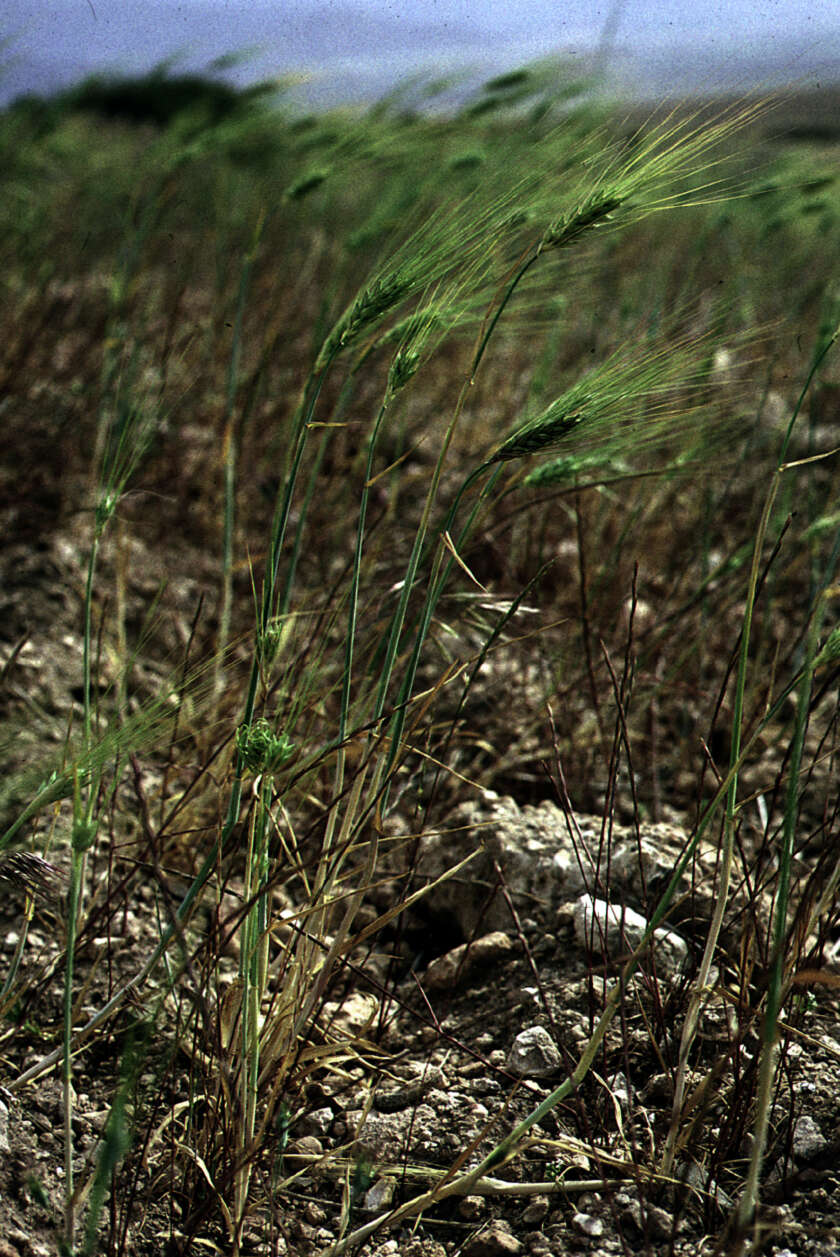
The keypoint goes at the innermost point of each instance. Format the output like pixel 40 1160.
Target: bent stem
pixel 775 988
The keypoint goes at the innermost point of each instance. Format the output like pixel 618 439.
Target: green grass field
pixel 354 465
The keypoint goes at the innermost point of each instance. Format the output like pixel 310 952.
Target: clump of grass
pixel 406 328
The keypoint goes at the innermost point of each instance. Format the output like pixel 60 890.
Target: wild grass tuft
pixel 321 415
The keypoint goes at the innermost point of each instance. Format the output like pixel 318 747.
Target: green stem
pixel 769 1049
pixel 700 988
pixel 86 637
pixel 76 869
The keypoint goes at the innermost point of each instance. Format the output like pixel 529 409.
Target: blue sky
pixel 359 47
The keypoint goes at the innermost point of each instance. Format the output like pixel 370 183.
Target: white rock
pixel 587 1225
pixel 808 1140
pixel 600 926
pixel 379 1197
pixel 534 1054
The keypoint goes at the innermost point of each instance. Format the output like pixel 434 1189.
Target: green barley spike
pixel 830 652
pixel 567 229
pixel 380 296
pixel 541 434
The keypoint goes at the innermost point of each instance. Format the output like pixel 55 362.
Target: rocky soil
pixel 464 1016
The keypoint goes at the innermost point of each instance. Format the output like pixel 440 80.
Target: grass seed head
pixel 830 652
pixel 23 870
pixel 540 434
pixel 382 295
pixel 305 184
pixel 83 834
pixel 262 749
pixel 570 227
pixel 403 367
pixel 569 467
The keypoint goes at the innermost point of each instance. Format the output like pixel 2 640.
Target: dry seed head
pixel 22 870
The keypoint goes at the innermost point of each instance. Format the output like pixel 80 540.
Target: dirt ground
pixel 446 1026
pixel 441 1069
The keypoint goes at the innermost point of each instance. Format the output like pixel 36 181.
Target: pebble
pixel 307 1146
pixel 449 970
pixel 601 926
pixel 587 1225
pixel 535 1211
pixel 318 1122
pixel 378 1198
pixel 808 1140
pixel 496 1241
pixel 534 1054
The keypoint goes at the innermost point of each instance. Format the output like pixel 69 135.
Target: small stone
pixel 447 971
pixel 535 1211
pixel 534 1054
pixel 496 1241
pixel 657 1223
pixel 620 1091
pixel 808 1140
pixel 587 1225
pixel 316 1123
pixel 471 1208
pixel 355 1014
pixel 659 1089
pixel 601 926
pixel 307 1146
pixel 4 1128
pixel 379 1197
pixel 417 1130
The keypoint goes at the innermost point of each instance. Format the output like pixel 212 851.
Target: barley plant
pixel 380 459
